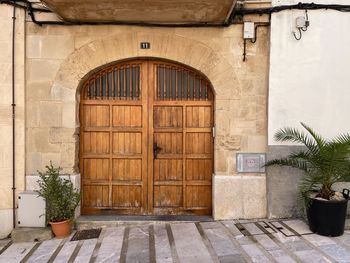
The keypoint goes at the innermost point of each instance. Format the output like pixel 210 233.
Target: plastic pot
pixel 327 218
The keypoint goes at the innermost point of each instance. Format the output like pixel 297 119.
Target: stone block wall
pixel 59 58
pixel 52 61
pixel 240 105
pixel 6 172
pixel 51 121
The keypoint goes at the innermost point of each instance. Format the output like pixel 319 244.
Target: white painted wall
pixel 310 78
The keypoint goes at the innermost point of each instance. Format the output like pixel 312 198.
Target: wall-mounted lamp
pixel 301 23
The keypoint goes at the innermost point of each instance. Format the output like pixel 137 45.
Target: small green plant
pixel 324 162
pixel 60 196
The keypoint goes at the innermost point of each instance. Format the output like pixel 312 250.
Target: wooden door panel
pixel 127 116
pixel 168 170
pixel 96 169
pixel 96 115
pixel 199 143
pixel 127 196
pixel 167 117
pixel 199 117
pixel 95 142
pixel 166 196
pixel 169 142
pixel 95 196
pixel 199 169
pixel 127 143
pixel 198 197
pixel 127 170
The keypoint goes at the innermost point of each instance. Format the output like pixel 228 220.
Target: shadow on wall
pixel 282 185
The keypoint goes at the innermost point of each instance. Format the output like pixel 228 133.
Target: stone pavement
pixel 221 241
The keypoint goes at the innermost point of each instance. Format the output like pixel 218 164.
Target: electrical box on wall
pixel 31 210
pixel 300 22
pixel 251 162
pixel 248 30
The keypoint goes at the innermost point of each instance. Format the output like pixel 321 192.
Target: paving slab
pixel 86 250
pixel 312 256
pixel 4 243
pixel 65 253
pixel 255 253
pixel 344 239
pixel 111 245
pixel 232 227
pixel 43 253
pixel 138 245
pixel 299 226
pixel 16 252
pixel 338 253
pixel 276 251
pixel 162 245
pixel 318 240
pixel 187 242
pixel 221 243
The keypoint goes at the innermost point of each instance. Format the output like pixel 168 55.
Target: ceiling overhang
pixel 143 11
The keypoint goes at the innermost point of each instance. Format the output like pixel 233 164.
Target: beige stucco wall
pixel 59 57
pixel 6 112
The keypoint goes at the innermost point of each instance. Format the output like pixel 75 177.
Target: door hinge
pixel 214 132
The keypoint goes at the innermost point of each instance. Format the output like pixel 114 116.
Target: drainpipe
pixel 13 119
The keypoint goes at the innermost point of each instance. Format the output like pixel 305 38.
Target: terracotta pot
pixel 61 229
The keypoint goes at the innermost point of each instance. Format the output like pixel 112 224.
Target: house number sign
pixel 145 45
pixel 250 162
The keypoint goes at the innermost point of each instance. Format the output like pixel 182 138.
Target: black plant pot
pixel 327 218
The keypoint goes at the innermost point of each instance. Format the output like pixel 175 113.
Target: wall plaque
pixel 250 162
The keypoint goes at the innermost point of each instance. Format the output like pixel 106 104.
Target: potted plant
pixel 61 200
pixel 324 163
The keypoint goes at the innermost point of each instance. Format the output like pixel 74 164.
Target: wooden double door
pixel 146 141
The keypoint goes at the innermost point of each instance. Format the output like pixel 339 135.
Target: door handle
pixel 156 150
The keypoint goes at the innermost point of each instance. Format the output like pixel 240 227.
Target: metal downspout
pixel 13 119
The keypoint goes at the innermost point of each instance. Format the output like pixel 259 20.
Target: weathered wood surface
pixel 124 114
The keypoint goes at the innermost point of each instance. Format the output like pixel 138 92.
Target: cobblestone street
pixel 221 241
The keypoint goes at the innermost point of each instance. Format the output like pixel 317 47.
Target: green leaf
pixel 60 196
pixel 324 162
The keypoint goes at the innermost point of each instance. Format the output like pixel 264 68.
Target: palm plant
pixel 324 162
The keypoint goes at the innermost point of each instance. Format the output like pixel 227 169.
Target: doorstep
pixel 106 221
pixel 31 234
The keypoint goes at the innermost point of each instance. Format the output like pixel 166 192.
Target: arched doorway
pixel 146 144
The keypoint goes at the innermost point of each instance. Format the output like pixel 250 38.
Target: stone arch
pixel 85 60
